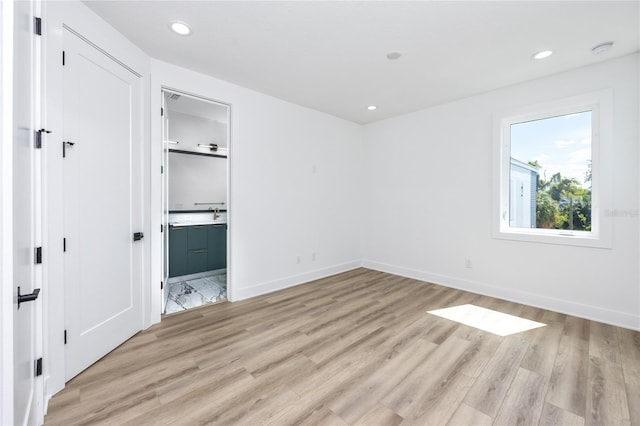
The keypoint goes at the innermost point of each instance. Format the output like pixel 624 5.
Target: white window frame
pixel 600 236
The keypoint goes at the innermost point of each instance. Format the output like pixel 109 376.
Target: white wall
pixel 295 186
pixel 425 216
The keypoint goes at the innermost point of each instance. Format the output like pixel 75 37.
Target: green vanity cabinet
pixel 197 261
pixel 197 237
pixel 178 251
pixel 197 245
pixel 217 246
pixel 197 248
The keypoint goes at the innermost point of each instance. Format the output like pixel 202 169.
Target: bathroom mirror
pixel 197 182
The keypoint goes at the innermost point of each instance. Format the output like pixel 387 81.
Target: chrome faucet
pixel 216 213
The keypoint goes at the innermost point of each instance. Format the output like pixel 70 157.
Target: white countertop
pixel 192 219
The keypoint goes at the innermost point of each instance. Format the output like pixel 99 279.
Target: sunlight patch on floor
pixel 486 319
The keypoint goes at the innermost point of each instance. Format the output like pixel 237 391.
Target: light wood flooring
pixel 359 348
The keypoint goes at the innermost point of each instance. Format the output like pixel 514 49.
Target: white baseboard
pixel 590 312
pixel 281 284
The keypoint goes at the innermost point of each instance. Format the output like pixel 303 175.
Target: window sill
pixel 578 239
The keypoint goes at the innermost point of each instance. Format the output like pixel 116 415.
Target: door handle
pixel 137 236
pixel 27 297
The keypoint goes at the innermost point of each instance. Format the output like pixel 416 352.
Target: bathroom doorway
pixel 195 137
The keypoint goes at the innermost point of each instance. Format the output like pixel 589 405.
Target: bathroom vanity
pixel 197 245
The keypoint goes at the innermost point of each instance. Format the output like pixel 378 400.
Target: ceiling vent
pixel 602 48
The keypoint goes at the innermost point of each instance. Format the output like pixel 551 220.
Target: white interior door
pixel 27 399
pixel 102 203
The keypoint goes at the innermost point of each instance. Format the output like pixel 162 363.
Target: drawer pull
pixel 198 251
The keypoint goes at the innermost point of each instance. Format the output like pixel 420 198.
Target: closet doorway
pixel 195 137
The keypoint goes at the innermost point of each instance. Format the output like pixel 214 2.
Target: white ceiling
pixel 331 56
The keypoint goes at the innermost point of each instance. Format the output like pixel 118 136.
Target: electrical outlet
pixel 298 260
pixel 468 264
pixel 313 256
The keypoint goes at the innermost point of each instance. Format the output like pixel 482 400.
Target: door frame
pixel 6 212
pixel 7 191
pixel 173 78
pixel 163 182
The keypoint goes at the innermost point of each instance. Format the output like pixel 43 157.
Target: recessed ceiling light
pixel 371 107
pixel 602 48
pixel 393 55
pixel 543 54
pixel 180 28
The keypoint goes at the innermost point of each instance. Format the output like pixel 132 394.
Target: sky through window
pixel 559 144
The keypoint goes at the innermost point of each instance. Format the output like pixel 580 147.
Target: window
pixel 552 174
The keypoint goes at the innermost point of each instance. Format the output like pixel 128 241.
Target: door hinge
pixel 161 228
pixel 65 337
pixel 64 147
pixel 161 111
pixel 38 367
pixel 137 236
pixel 38 137
pixel 63 61
pixel 161 285
pixel 161 169
pixel 38 255
pixel 64 244
pixel 37 25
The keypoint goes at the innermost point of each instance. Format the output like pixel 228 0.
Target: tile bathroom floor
pixel 196 292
